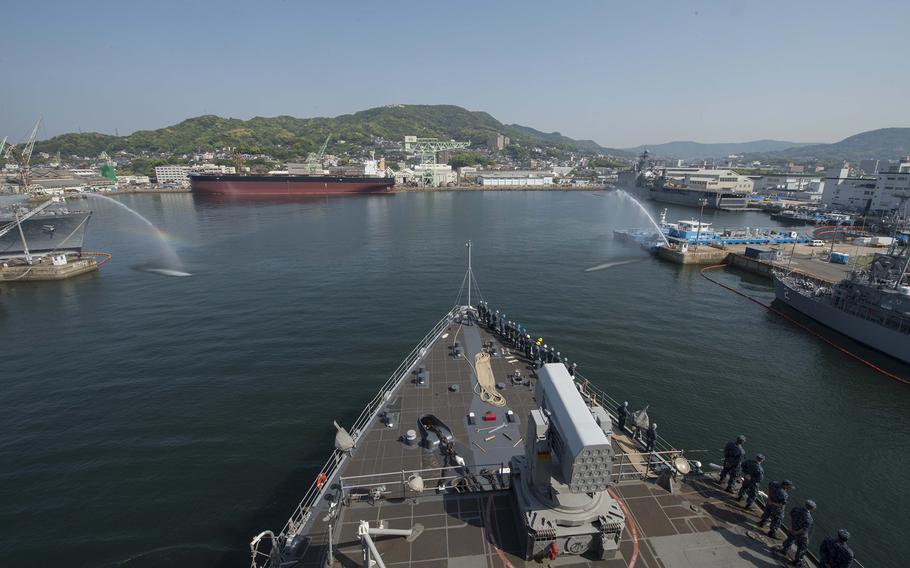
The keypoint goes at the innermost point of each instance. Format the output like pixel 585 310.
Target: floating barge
pixel 56 267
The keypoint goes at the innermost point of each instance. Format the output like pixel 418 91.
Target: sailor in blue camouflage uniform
pixel 733 459
pixel 774 509
pixel 622 413
pixel 800 527
pixel 651 437
pixel 834 552
pixel 753 473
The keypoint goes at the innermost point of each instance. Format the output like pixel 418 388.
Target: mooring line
pixel 804 327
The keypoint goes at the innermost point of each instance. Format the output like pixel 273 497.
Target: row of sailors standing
pixel 833 553
pixel 517 336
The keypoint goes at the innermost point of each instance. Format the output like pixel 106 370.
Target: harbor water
pixel 155 421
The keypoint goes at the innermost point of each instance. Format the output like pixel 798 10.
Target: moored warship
pixel 487 448
pixel 45 229
pixel 871 306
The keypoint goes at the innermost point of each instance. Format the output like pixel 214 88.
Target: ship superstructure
pixel 487 448
pixel 45 229
pixel 871 306
pixel 690 186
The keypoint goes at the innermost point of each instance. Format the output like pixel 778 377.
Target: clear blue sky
pixel 621 73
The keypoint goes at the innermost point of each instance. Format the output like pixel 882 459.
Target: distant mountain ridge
pixel 689 150
pixel 883 143
pixel 296 136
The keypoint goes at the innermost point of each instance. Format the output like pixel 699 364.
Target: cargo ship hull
pixel 278 186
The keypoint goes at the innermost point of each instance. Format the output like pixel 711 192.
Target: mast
pixel 28 256
pixel 470 272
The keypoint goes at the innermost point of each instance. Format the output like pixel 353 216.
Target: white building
pixel 517 178
pixel 467 173
pixel 891 189
pixel 880 194
pixel 794 187
pixel 212 169
pixel 442 174
pixel 710 179
pixel 848 193
pixel 172 174
pixel 180 174
pixel 132 180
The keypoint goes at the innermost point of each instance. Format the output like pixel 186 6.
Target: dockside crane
pixel 426 148
pixel 313 162
pixel 21 154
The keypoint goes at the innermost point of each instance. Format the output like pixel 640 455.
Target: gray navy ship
pixel 49 229
pixel 871 306
pixel 691 187
pixel 486 448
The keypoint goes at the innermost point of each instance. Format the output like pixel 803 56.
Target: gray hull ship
pixel 486 449
pixel 49 231
pixel 871 306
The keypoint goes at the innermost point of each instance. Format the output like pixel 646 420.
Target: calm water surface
pixel 150 421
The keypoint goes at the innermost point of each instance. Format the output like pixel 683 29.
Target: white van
pixel 816 243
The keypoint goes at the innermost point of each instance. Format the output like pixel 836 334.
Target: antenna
pixel 470 272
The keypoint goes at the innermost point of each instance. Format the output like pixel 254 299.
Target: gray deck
pixel 699 526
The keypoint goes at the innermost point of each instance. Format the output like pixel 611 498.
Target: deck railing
pixel 395 484
pixel 330 469
pixel 663 454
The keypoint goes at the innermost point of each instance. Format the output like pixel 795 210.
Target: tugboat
pixel 487 447
pixel 871 306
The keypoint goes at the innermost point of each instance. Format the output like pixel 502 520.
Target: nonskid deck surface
pixel 698 526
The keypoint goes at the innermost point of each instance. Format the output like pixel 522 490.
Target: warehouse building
pixel 517 178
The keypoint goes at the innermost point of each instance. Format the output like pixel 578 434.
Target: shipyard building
pixel 879 194
pixel 516 178
pixel 180 174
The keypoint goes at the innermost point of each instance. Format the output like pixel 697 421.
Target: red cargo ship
pixel 287 185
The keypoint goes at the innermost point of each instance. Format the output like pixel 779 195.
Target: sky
pixel 620 73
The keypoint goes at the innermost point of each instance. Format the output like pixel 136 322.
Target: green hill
pixel 688 150
pixel 290 136
pixel 884 143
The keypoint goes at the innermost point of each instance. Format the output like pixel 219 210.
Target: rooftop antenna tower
pixel 426 148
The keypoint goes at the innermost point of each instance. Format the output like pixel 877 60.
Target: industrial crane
pixel 22 155
pixel 426 148
pixel 313 162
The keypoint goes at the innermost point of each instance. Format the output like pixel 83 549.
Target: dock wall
pixel 710 256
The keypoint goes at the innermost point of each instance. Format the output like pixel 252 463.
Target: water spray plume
pixel 623 194
pixel 610 265
pixel 175 265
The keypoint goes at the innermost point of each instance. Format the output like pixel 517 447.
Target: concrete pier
pixel 44 269
pixel 805 260
pixel 703 255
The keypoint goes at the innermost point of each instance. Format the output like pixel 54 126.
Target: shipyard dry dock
pixel 465 514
